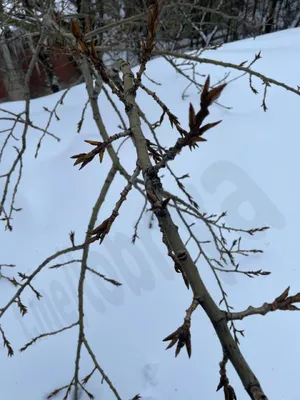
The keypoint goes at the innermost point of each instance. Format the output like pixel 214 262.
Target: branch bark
pixel 202 60
pixel 170 230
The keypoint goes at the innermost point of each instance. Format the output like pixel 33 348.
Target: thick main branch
pixel 170 230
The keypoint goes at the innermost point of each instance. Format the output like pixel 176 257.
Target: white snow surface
pixel 249 167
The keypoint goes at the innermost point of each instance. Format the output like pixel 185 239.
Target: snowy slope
pixel 249 167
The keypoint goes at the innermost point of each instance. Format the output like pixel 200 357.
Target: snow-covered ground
pixel 249 167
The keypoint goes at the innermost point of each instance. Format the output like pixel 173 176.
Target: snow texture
pixel 249 167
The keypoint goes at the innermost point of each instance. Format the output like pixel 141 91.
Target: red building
pixel 54 69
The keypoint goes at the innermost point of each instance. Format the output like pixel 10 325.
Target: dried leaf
pixel 192 116
pixel 182 337
pixel 170 337
pixel 162 117
pixel 75 29
pixel 78 155
pixel 208 126
pixel 101 155
pixel 83 46
pixel 291 307
pixel 215 93
pixel 102 230
pixel 91 240
pixel 93 50
pixel 220 385
pixel 205 89
pixel 22 307
pixel 6 344
pixel 283 296
pixel 173 341
pixel 93 142
pixel 189 348
pixel 231 393
pixel 192 141
pixel 72 238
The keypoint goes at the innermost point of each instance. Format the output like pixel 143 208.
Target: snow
pixel 249 167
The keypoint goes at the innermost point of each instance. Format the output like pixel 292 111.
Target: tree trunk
pixel 270 18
